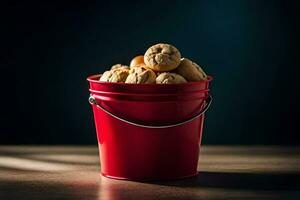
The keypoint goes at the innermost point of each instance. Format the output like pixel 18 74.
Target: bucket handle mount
pixel 208 101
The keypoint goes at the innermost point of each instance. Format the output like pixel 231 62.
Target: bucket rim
pixel 91 79
pixel 142 94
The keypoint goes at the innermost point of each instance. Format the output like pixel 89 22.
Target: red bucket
pixel 149 131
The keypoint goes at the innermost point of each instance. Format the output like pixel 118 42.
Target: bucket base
pixel 149 179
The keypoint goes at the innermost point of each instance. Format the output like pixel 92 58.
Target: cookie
pixel 106 76
pixel 190 70
pixel 138 60
pixel 117 75
pixel 141 74
pixel 162 57
pixel 119 66
pixel 169 78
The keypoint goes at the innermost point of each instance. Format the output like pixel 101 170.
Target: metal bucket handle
pixel 208 101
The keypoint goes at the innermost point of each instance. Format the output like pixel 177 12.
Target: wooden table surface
pixel 60 172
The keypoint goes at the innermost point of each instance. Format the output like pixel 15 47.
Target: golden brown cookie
pixel 141 74
pixel 169 78
pixel 106 76
pixel 116 75
pixel 190 70
pixel 119 66
pixel 162 57
pixel 138 60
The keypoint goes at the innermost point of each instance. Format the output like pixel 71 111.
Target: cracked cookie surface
pixel 117 75
pixel 116 66
pixel 190 70
pixel 169 78
pixel 162 57
pixel 140 74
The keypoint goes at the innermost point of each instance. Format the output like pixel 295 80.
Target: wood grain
pixel 64 172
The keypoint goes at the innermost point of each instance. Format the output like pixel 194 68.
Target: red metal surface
pixel 135 153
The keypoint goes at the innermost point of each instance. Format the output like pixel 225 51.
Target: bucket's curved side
pixel 135 153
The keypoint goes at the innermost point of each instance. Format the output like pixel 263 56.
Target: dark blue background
pixel 48 50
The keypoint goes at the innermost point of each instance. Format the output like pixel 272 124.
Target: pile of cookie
pixel 161 64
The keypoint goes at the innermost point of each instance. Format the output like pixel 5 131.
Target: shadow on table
pixel 28 190
pixel 247 181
